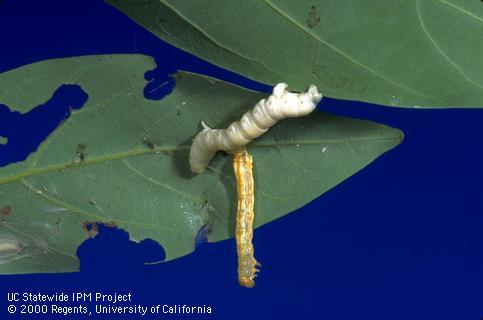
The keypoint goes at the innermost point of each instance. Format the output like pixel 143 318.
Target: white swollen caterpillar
pixel 280 104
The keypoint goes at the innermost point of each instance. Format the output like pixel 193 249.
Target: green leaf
pixel 134 172
pixel 422 53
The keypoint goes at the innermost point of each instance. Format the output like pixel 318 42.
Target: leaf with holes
pixel 397 53
pixel 123 160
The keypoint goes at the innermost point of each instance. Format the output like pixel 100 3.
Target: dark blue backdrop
pixel 402 239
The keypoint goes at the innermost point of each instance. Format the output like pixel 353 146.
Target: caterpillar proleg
pixel 247 265
pixel 279 105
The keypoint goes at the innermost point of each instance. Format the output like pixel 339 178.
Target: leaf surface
pixel 123 160
pixel 421 53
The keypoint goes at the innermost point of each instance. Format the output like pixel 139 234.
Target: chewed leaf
pixel 396 53
pixel 122 160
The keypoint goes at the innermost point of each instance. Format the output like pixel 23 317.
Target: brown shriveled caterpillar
pixel 267 112
pixel 243 167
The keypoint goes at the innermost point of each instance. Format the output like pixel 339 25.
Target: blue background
pixel 402 239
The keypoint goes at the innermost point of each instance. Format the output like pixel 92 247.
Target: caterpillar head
pixel 290 104
pixel 279 90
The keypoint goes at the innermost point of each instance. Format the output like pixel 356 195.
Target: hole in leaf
pixel 111 249
pixel 36 124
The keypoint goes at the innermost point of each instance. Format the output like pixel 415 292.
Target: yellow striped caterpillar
pixel 266 113
pixel 243 167
pixel 280 104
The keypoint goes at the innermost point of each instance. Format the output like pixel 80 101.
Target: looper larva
pixel 247 265
pixel 279 105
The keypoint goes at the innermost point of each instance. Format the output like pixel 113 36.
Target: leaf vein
pixel 216 42
pixel 438 48
pixel 339 51
pixel 449 4
pixel 151 180
pixel 91 215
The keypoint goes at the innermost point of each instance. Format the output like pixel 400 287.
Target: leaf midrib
pixel 163 149
pixel 284 15
pixel 339 51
